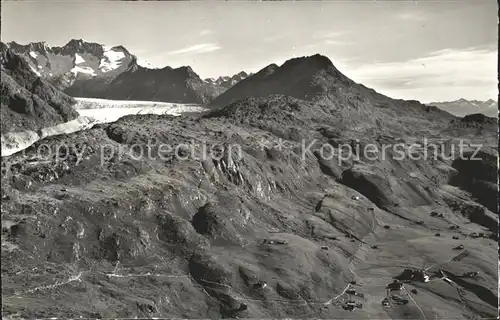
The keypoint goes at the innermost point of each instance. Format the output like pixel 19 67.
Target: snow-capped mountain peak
pixel 226 81
pixel 77 59
pixel 112 59
pixel 145 64
pixel 491 103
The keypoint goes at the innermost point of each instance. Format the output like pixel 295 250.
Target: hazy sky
pixel 424 50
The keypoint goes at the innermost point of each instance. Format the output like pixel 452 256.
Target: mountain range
pixel 228 82
pixel 88 69
pixel 92 70
pixel 259 212
pixel 463 107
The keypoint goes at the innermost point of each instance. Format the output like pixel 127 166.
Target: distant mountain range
pixel 88 69
pixel 228 82
pixel 463 107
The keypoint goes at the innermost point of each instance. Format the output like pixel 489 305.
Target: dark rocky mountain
pixel 29 102
pixel 87 69
pixel 315 79
pixel 260 210
pixel 478 118
pixel 181 85
pixel 307 78
pixel 293 79
pixel 463 107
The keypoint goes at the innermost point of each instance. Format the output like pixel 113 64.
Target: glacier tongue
pixel 102 111
pixel 13 142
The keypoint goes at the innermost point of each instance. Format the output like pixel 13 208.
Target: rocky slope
pixel 255 210
pixel 29 102
pixel 87 69
pixel 463 107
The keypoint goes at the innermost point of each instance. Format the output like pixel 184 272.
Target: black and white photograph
pixel 249 159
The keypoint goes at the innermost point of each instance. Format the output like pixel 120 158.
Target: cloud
pixel 337 42
pixel 328 38
pixel 326 43
pixel 275 38
pixel 198 48
pixel 205 32
pixel 441 75
pixel 328 34
pixel 413 16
